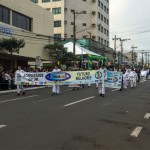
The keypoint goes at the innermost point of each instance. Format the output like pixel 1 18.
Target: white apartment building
pixel 25 20
pixel 94 23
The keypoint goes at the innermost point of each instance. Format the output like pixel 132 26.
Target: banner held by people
pixel 62 78
pixel 68 78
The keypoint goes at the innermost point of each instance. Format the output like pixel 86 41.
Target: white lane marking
pixel 2 126
pixel 79 101
pixel 147 116
pixel 115 90
pixel 142 81
pixel 136 131
pixel 40 101
pixel 16 99
pixel 106 104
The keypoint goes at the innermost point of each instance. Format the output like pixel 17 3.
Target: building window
pixel 104 8
pixel 102 17
pixel 83 24
pixel 105 19
pixel 99 27
pixel 107 11
pixel 107 33
pixel 45 1
pixel 102 5
pixel 57 23
pixel 101 40
pixel 107 43
pixel 65 35
pixel 99 15
pixel 102 29
pixel 107 22
pixel 104 42
pixel 99 3
pixel 56 10
pixel 57 36
pixel 34 1
pixel 4 15
pixel 56 0
pixel 72 10
pixel 21 21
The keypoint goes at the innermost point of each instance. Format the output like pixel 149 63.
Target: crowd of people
pixel 130 77
pixel 7 77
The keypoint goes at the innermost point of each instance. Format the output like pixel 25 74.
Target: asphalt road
pixel 76 120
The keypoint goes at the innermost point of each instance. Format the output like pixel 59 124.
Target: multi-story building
pixel 25 20
pixel 91 18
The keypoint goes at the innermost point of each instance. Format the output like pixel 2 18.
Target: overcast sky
pixel 130 19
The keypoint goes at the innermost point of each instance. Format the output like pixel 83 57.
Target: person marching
pixel 56 88
pixel 101 87
pixel 20 88
pixel 133 78
pixel 125 79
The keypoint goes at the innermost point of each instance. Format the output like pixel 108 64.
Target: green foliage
pixel 11 45
pixel 58 53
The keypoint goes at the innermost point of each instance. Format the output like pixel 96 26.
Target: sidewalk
pixel 26 89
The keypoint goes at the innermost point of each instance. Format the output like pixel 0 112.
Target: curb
pixel 26 89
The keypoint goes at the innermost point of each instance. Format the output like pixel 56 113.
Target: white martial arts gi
pixel 56 88
pixel 125 80
pixel 101 88
pixel 20 88
pixel 133 78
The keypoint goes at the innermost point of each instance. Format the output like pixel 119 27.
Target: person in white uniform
pixel 20 88
pixel 133 78
pixel 125 79
pixel 56 88
pixel 101 88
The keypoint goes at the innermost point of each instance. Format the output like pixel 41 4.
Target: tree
pixel 11 45
pixel 58 53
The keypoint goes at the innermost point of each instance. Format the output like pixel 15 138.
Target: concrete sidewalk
pixel 26 89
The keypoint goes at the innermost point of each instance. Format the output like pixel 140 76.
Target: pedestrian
pixel 133 78
pixel 125 79
pixel 127 76
pixel 101 87
pixel 20 88
pixel 56 88
pixel 138 71
pixel 7 79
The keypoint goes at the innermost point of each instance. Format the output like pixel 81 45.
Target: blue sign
pixel 5 30
pixel 58 76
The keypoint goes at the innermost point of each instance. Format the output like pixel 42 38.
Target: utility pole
pixel 146 58
pixel 133 47
pixel 142 58
pixel 74 29
pixel 121 44
pixel 115 49
pixel 74 32
pixel 148 61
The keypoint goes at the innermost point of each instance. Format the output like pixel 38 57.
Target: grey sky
pixel 130 19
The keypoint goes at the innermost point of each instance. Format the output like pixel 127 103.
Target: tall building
pixel 25 20
pixel 91 19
